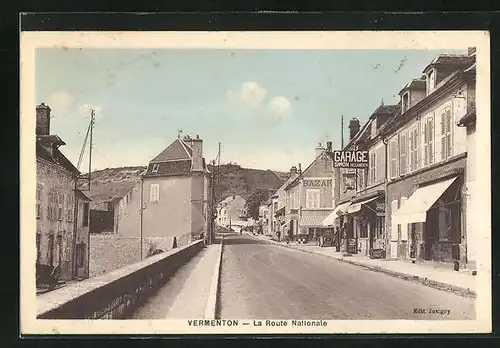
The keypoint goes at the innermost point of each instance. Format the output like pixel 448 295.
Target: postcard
pixel 255 182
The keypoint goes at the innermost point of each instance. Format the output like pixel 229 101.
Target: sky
pixel 269 109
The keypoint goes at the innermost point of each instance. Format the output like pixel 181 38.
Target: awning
pixel 355 207
pixel 415 208
pixel 339 209
pixel 313 220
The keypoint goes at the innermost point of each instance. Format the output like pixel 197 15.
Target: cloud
pixel 249 93
pixel 60 101
pixel 280 106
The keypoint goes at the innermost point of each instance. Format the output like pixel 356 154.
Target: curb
pixel 213 297
pixel 458 290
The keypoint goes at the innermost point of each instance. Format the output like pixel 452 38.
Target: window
pixel 312 198
pixel 60 200
pixel 446 134
pixel 362 179
pixel 38 247
pixel 39 202
pixel 430 81
pixel 393 149
pixel 363 229
pixel 429 141
pixel 373 167
pixel 85 218
pixel 448 220
pixel 51 212
pixel 403 153
pixel 155 168
pixel 414 149
pixel 405 101
pixel 154 193
pixel 70 205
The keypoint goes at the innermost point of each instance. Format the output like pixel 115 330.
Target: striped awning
pixel 315 220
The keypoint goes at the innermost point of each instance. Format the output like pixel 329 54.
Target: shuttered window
pixel 39 191
pixel 312 198
pixel 446 134
pixel 403 153
pixel 413 142
pixel 429 141
pixel 154 193
pixel 393 152
pixel 380 164
pixel 373 167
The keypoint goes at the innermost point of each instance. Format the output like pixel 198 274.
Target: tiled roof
pixel 56 158
pixel 169 168
pixel 450 59
pixel 178 150
pixel 82 196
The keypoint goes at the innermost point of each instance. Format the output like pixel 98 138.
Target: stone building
pixel 61 222
pixel 231 211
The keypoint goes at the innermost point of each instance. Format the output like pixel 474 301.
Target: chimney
pixel 319 149
pixel 328 146
pixel 197 161
pixel 42 119
pixel 353 128
pixel 293 170
pixel 300 168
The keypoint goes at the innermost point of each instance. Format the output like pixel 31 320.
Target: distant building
pixel 174 192
pixel 61 209
pixel 309 197
pixel 278 206
pixel 231 211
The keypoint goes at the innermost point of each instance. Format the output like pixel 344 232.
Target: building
pixel 61 221
pixel 174 196
pixel 426 169
pixel 231 211
pixel 309 197
pixel 362 202
pixel 265 217
pixel 278 206
pixel 472 202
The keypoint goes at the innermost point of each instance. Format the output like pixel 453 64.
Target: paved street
pixel 267 281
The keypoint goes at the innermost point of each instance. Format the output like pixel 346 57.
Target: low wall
pixel 117 294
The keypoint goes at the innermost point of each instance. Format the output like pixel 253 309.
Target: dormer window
pixel 405 101
pixel 430 81
pixel 155 168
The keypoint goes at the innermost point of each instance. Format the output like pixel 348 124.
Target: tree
pixel 254 200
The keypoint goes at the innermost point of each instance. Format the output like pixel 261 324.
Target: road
pixel 266 281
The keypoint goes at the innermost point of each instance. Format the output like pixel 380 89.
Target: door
pixel 51 250
pixel 413 240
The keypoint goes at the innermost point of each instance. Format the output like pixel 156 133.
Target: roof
pixel 83 196
pixel 169 168
pixel 449 59
pixel 414 84
pixel 56 157
pixel 178 150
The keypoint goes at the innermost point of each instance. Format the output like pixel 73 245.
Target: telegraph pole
pixel 90 149
pixel 342 132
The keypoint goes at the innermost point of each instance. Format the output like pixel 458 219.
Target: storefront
pixel 366 221
pixel 311 223
pixel 429 222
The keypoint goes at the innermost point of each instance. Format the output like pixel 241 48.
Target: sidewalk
pixel 445 279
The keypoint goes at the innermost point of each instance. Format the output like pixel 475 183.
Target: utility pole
pixel 90 149
pixel 342 132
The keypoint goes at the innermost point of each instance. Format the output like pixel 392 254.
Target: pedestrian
pixel 278 234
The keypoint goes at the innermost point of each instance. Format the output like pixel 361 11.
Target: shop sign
pixel 380 207
pixel 377 253
pixel 317 183
pixel 350 159
pixel 352 246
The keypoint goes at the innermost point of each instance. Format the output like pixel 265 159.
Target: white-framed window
pixel 393 163
pixel 70 201
pixel 373 167
pixel 403 153
pixel 154 193
pixel 155 168
pixel 52 211
pixel 39 193
pixel 446 134
pixel 430 77
pixel 429 140
pixel 414 149
pixel 312 198
pixel 405 101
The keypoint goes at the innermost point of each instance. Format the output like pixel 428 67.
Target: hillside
pixel 111 183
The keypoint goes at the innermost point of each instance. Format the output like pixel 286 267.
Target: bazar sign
pixel 317 183
pixel 350 159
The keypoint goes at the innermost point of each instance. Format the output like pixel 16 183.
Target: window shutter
pixel 449 145
pixel 443 137
pixel 380 164
pixel 431 140
pixel 426 143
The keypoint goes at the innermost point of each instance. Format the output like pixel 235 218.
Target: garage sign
pixel 350 159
